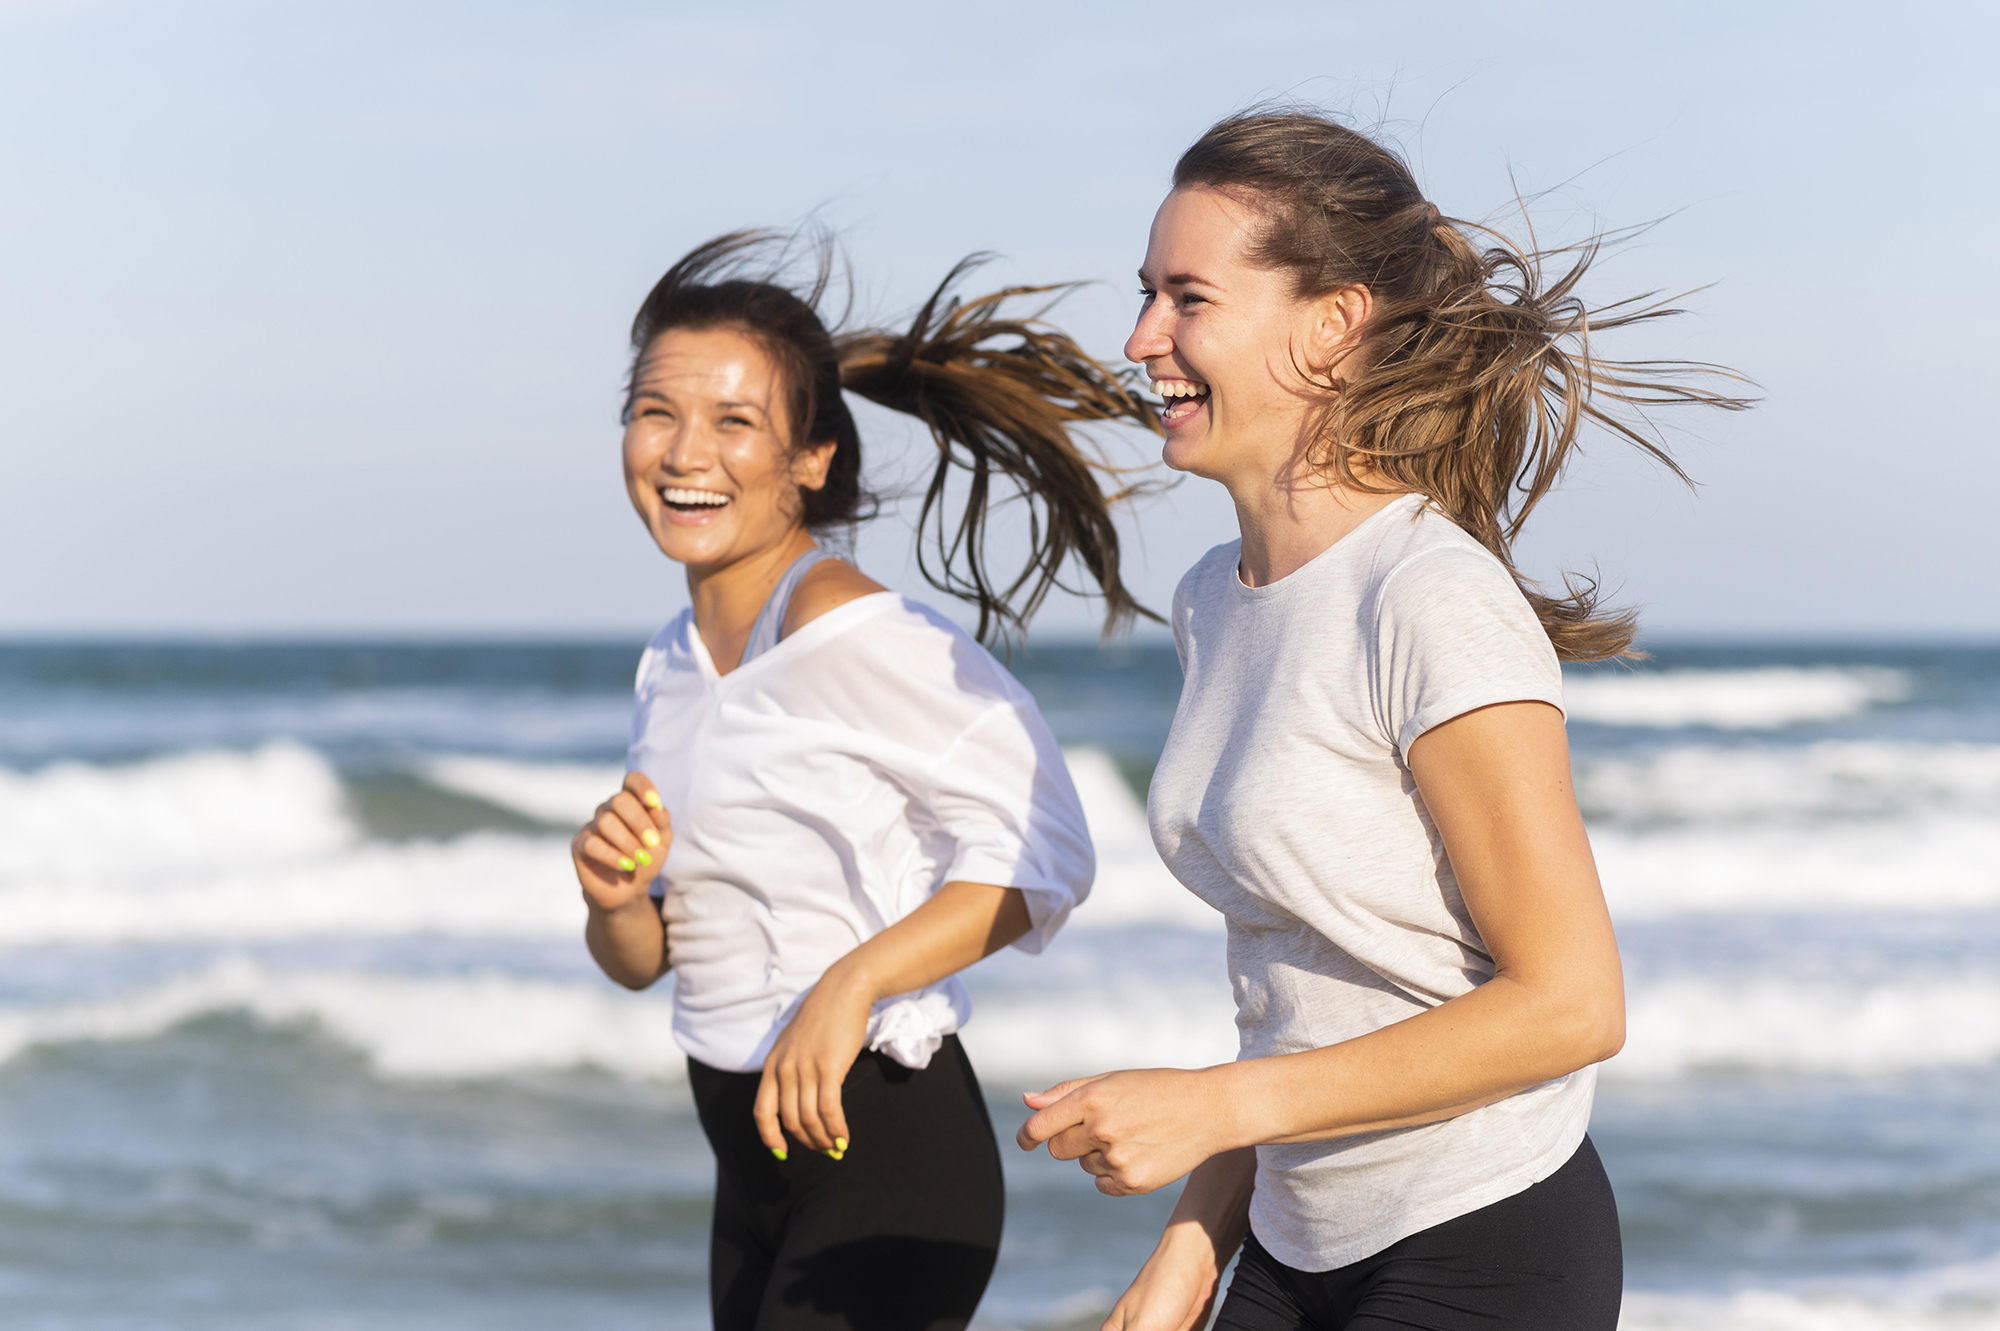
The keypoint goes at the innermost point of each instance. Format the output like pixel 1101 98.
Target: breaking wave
pixel 490 1024
pixel 1766 698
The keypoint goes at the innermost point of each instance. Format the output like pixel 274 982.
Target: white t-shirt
pixel 822 791
pixel 1284 801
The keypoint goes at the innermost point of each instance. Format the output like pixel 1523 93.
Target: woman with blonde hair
pixel 837 799
pixel 1368 773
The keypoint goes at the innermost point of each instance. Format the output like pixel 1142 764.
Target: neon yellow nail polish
pixel 650 837
pixel 652 799
pixel 779 1152
pixel 644 858
pixel 627 865
pixel 840 1145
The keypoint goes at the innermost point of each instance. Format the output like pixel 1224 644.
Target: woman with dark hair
pixel 1424 968
pixel 837 800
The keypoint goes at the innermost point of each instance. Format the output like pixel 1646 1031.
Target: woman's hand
pixel 800 1091
pixel 1175 1290
pixel 1135 1131
pixel 620 850
pixel 617 854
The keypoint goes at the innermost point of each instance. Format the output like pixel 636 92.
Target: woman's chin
pixel 697 547
pixel 1186 450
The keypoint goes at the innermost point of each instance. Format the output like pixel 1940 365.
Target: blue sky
pixel 311 315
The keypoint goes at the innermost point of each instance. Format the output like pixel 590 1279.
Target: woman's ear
pixel 1338 320
pixel 811 464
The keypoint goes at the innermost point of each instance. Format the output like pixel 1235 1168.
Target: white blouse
pixel 822 791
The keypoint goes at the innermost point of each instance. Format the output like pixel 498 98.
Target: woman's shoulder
pixel 1215 569
pixel 1436 584
pixel 921 641
pixel 826 587
pixel 1428 553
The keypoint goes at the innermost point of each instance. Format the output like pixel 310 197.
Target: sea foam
pixel 483 885
pixel 489 1023
pixel 276 804
pixel 456 1027
pixel 1765 698
pixel 1834 779
pixel 1902 864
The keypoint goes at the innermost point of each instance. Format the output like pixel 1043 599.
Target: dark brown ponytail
pixel 999 395
pixel 1476 371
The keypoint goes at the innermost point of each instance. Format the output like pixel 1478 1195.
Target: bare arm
pixel 617 855
pixel 1496 783
pixel 800 1092
pixel 1176 1288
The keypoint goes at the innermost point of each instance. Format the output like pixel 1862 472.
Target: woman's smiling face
pixel 1223 341
pixel 709 462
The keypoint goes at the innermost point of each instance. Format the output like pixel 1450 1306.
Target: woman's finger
pixel 601 852
pixel 831 1114
pixel 613 829
pixel 1060 1116
pixel 809 1118
pixel 640 787
pixel 1043 1099
pixel 788 1104
pixel 765 1112
pixel 1075 1143
pixel 635 817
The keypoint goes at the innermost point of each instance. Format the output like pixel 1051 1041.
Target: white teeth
pixel 674 494
pixel 1178 388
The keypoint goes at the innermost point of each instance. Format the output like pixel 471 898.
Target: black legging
pixel 1547 1259
pixel 900 1235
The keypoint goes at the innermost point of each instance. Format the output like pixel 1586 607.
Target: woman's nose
pixel 1149 340
pixel 688 452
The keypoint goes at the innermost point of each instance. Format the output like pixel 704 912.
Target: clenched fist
pixel 620 850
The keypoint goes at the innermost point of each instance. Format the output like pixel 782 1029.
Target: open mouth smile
pixel 1184 397
pixel 682 500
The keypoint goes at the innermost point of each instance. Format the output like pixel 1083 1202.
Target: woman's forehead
pixel 1197 223
pixel 717 363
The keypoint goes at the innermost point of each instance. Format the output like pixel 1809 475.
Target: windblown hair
pixel 1475 372
pixel 999 394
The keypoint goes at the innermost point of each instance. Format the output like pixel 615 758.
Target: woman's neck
pixel 726 598
pixel 1286 523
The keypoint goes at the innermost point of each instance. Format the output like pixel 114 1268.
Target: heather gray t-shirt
pixel 1284 801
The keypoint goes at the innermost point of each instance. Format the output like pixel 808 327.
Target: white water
pixel 1911 864
pixel 1766 698
pixel 1845 779
pixel 275 805
pixel 487 1023
pixel 259 845
pixel 1963 1296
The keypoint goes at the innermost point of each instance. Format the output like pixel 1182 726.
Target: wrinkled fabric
pixel 821 792
pixel 1284 800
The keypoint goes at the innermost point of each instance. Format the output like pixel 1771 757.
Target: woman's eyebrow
pixel 1182 280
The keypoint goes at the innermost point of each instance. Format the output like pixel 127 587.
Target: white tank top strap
pixel 770 625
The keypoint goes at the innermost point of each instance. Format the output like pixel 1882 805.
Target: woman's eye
pixel 1189 298
pixel 736 420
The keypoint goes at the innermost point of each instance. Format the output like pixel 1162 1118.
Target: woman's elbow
pixel 1599 1028
pixel 1584 1028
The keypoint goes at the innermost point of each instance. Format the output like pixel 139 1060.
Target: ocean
pixel 297 1031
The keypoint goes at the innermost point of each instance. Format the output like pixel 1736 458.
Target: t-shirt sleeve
pixel 1454 634
pixel 1004 795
